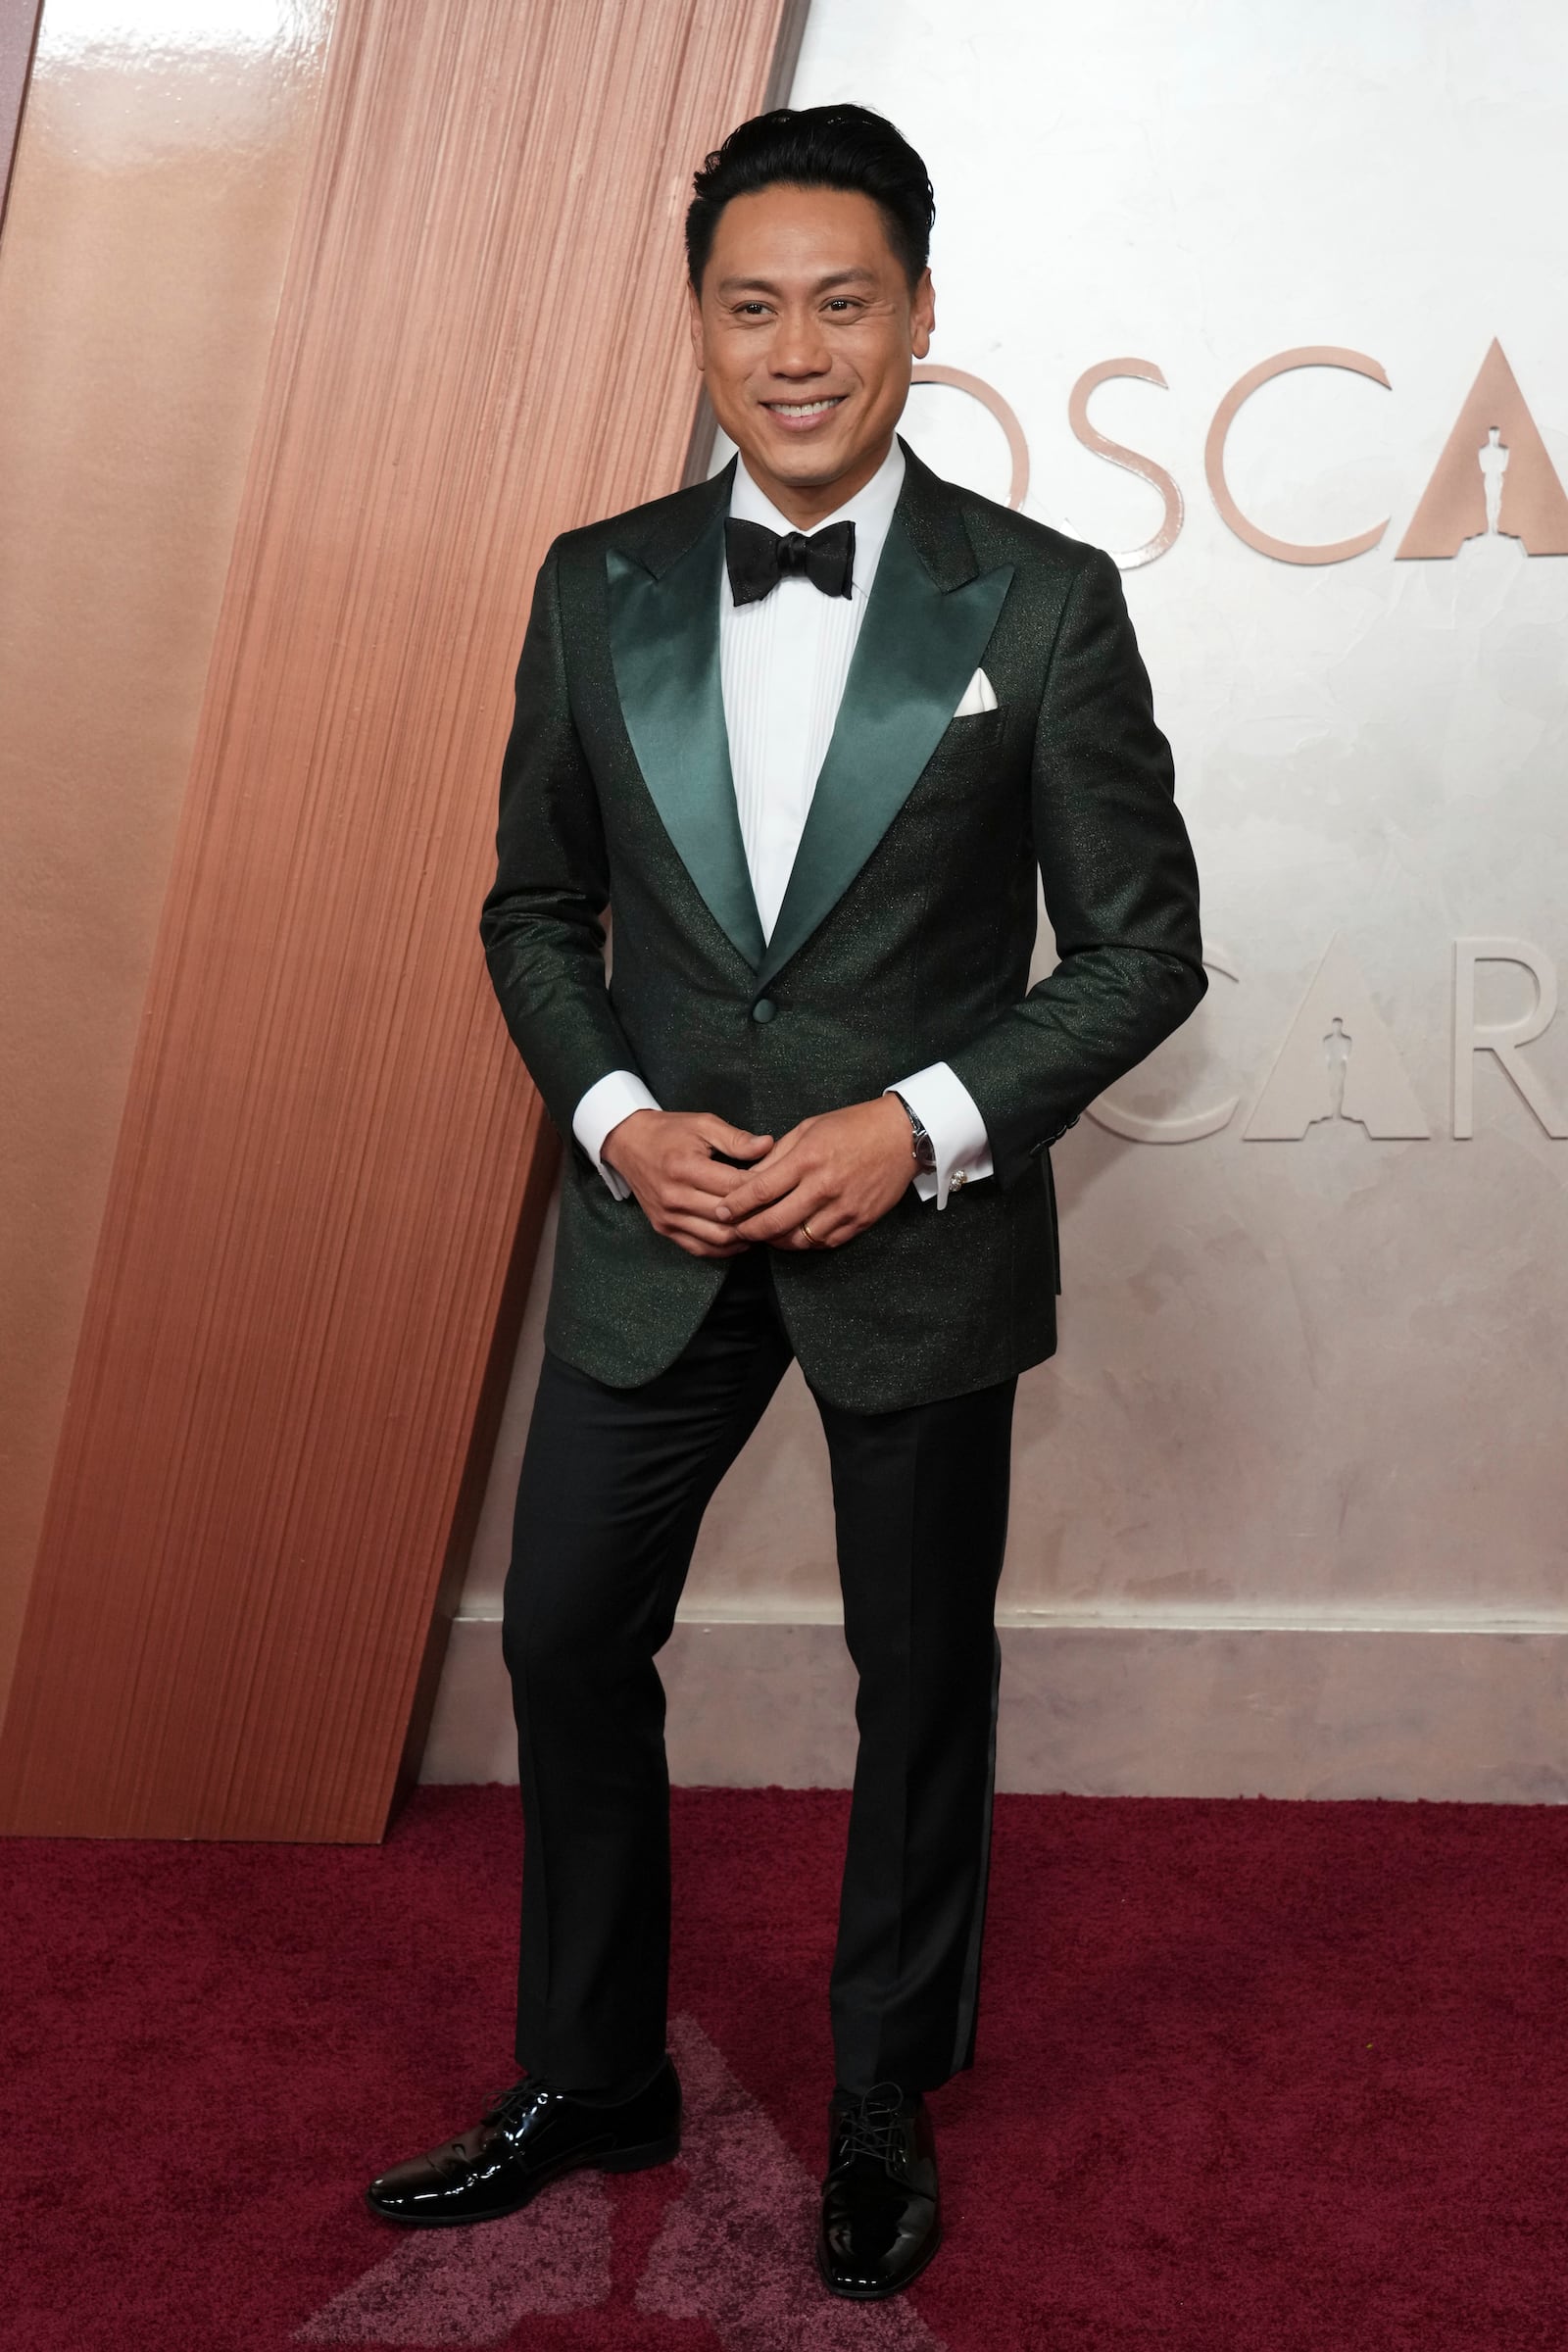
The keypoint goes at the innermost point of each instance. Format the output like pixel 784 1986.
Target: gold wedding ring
pixel 809 1235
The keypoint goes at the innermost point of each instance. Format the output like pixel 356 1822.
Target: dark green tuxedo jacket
pixel 905 935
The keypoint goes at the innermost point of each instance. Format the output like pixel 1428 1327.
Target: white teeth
pixel 800 408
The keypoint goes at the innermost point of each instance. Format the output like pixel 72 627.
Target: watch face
pixel 925 1150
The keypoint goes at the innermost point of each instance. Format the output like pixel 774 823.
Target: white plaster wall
pixel 1314 1385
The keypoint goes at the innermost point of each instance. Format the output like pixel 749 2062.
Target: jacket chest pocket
pixel 975 726
pixel 970 761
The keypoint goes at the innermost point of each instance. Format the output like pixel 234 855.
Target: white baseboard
pixel 1392 1706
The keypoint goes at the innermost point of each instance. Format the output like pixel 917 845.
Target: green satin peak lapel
pixel 919 646
pixel 664 641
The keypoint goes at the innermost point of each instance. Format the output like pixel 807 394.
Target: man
pixel 809 728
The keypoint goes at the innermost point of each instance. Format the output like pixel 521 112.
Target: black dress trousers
pixel 611 1493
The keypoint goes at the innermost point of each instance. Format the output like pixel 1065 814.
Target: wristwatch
pixel 925 1150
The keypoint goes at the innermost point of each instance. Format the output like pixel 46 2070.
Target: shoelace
pixel 873 2126
pixel 513 2104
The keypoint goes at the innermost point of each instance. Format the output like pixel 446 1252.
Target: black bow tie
pixel 759 558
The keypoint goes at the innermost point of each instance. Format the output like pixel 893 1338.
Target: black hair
pixel 817 147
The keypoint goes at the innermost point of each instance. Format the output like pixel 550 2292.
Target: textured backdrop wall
pixel 329 1173
pixel 1275 301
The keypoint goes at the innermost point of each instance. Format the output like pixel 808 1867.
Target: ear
pixel 694 323
pixel 923 314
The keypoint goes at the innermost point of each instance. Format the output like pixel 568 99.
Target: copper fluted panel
pixel 328 1180
pixel 141 265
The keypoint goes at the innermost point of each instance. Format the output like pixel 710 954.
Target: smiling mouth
pixel 804 408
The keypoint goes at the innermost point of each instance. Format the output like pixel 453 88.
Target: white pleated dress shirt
pixel 784 660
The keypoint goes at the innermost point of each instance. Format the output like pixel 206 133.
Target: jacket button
pixel 763 1010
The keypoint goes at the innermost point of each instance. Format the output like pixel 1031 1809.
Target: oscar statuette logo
pixel 1493 476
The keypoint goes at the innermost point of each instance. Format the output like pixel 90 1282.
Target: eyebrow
pixel 822 285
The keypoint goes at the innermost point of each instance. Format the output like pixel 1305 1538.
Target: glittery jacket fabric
pixel 910 941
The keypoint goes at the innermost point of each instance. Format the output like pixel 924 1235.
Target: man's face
pixel 805 331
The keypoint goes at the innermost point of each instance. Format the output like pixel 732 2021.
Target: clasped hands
pixel 837 1173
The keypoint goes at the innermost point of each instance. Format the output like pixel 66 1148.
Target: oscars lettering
pixel 1337 1060
pixel 1493 478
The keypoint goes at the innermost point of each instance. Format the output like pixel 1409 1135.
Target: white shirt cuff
pixel 615 1098
pixel 951 1117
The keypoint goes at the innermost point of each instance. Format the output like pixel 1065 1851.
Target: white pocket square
pixel 979 695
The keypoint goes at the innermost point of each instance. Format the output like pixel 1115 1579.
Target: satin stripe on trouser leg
pixel 612 1488
pixel 920 1498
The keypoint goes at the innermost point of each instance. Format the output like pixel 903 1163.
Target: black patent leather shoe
pixel 531 2136
pixel 881 2211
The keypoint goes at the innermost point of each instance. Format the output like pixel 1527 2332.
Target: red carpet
pixel 1253 2078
